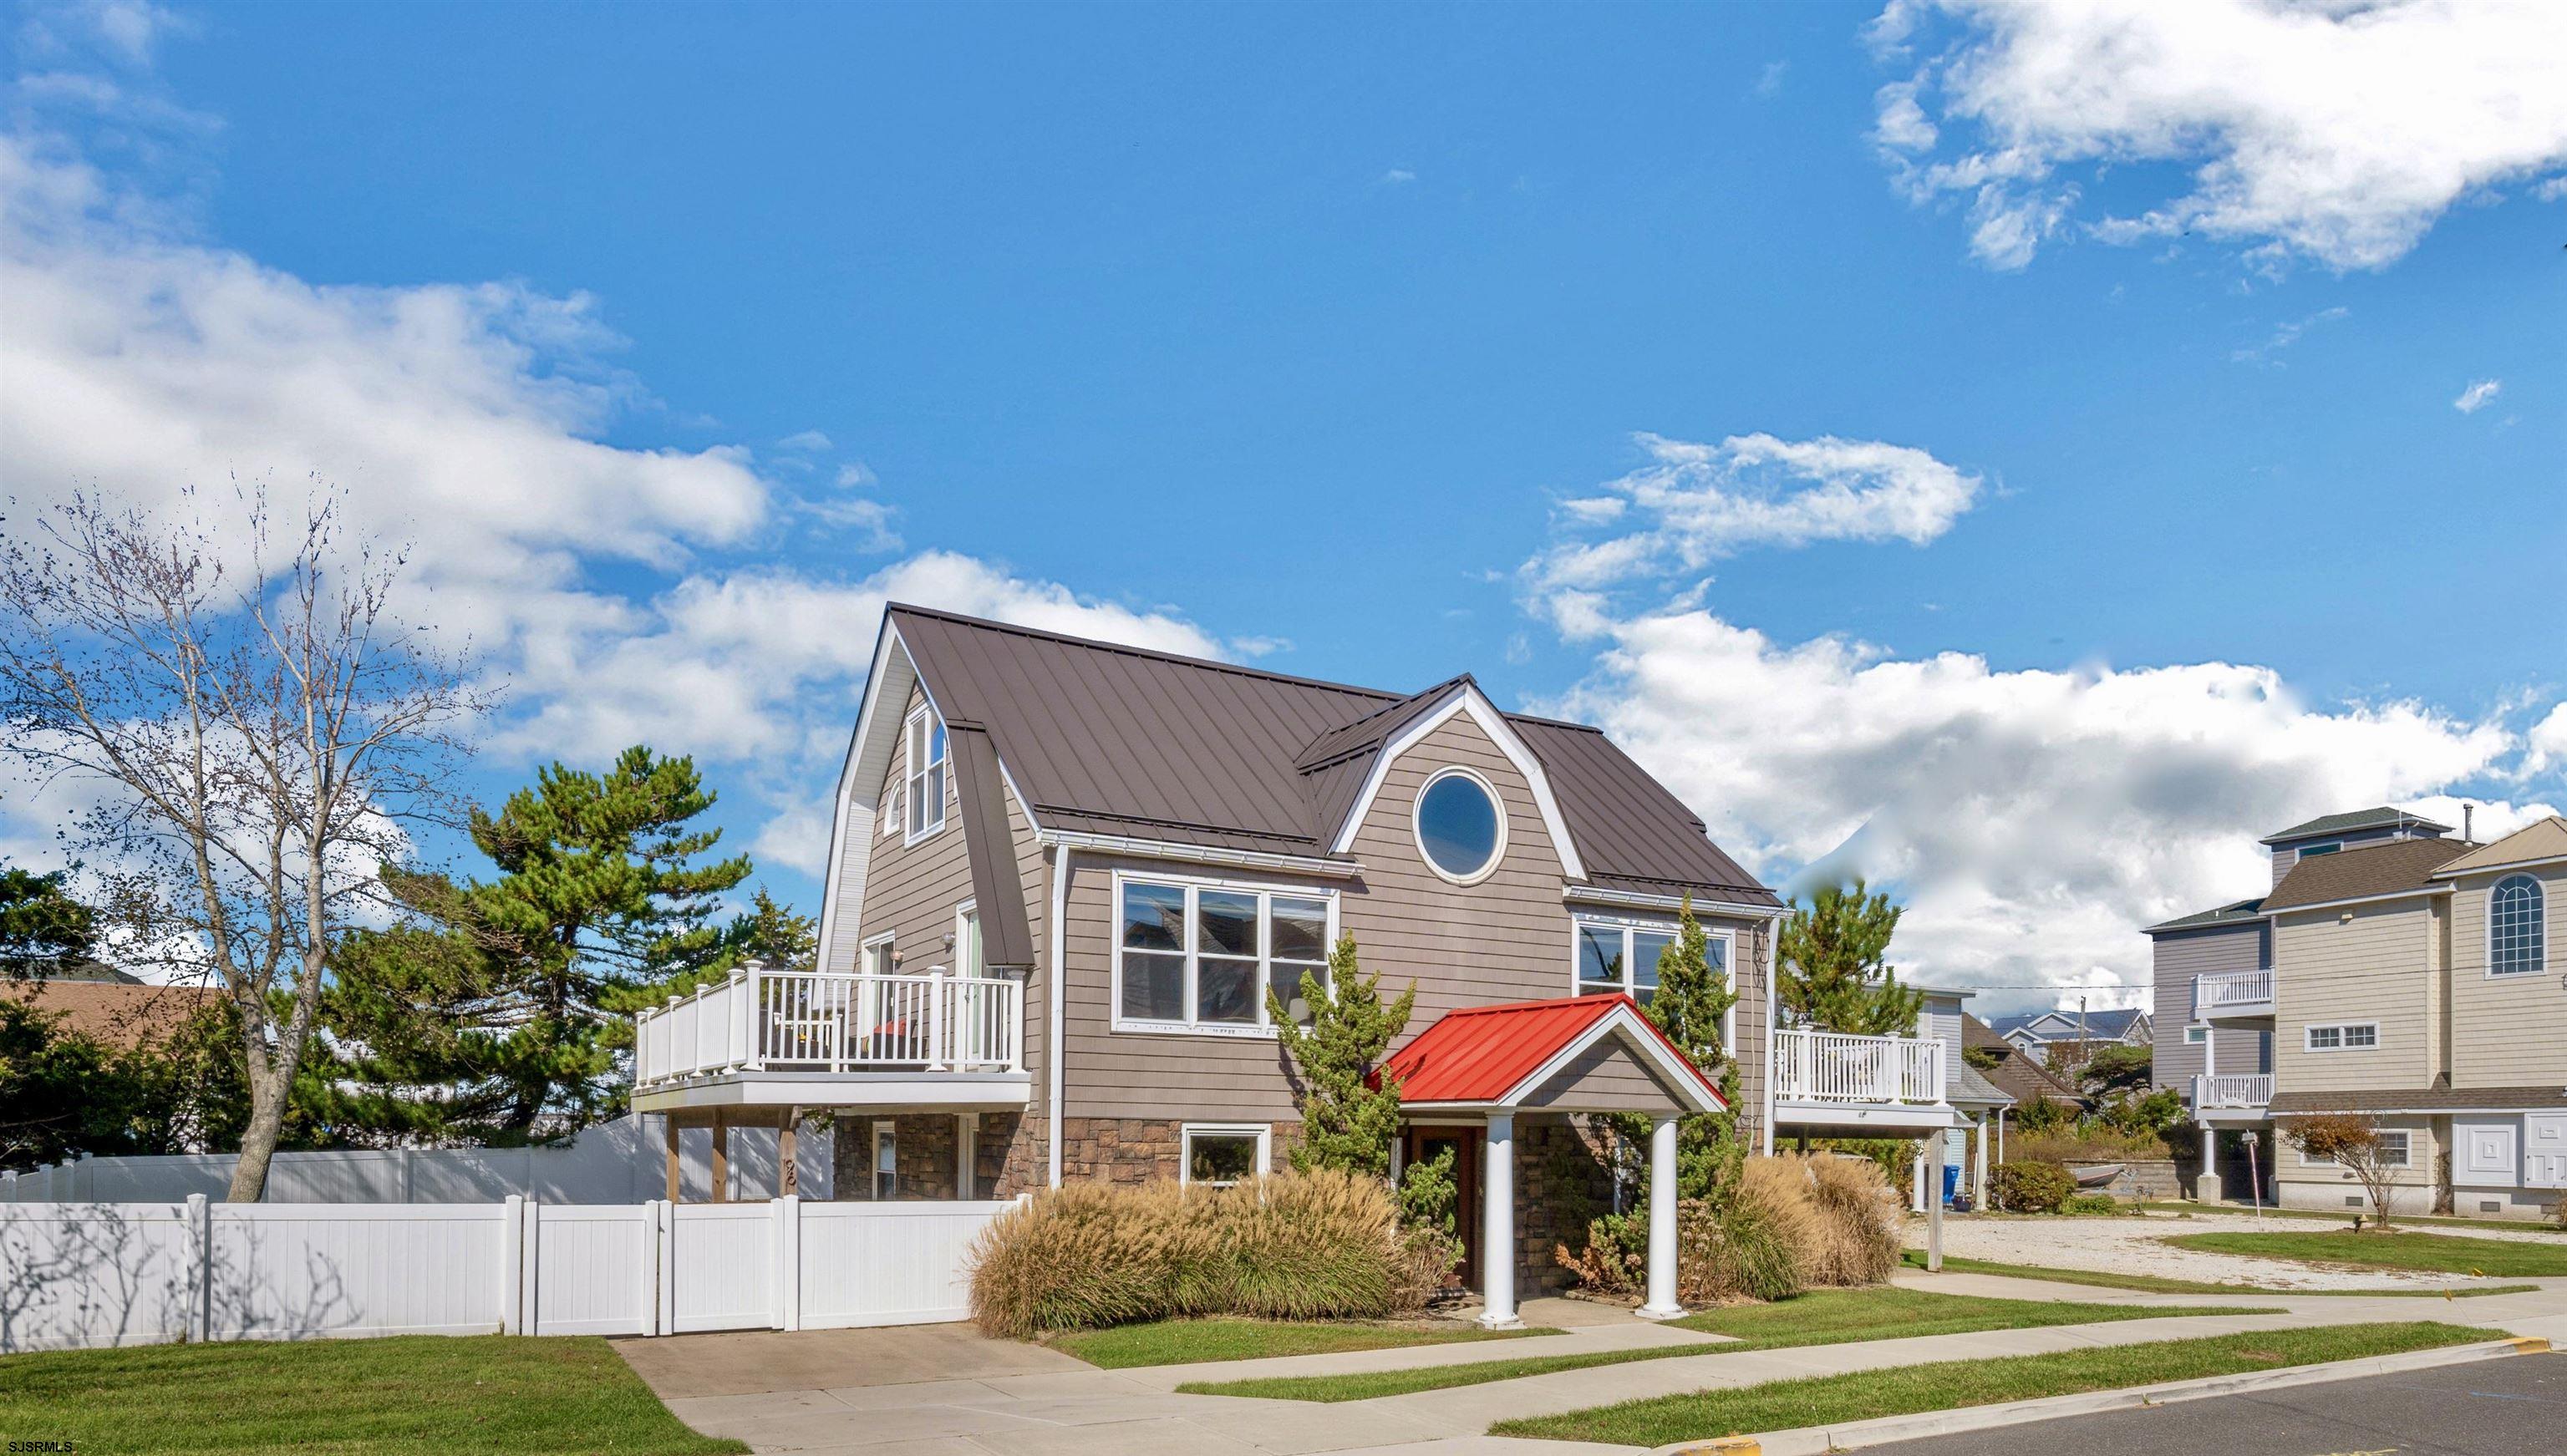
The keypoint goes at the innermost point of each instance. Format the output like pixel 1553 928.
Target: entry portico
pixel 1494 1064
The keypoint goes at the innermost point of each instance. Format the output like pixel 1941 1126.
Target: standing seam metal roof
pixel 1113 738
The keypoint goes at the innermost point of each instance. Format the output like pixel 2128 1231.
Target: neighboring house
pixel 2390 971
pixel 112 1009
pixel 2017 1075
pixel 2041 1034
pixel 1063 874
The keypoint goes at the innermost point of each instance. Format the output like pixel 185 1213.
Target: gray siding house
pixel 1063 876
pixel 2391 971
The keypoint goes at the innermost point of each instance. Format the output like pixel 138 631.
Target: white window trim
pixel 2196 1035
pixel 886 1127
pixel 910 772
pixel 2540 891
pixel 2405 1151
pixel 969 910
pixel 2308 1037
pixel 1629 923
pixel 1417 826
pixel 865 955
pixel 1264 1133
pixel 1263 1030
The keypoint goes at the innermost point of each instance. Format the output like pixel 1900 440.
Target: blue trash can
pixel 1951 1183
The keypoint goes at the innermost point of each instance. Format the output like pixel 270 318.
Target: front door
pixel 1419 1145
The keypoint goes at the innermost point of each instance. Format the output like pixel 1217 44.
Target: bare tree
pixel 2352 1140
pixel 258 740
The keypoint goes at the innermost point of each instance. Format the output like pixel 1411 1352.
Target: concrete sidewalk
pixel 943 1390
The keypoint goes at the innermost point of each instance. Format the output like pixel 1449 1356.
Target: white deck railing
pixel 799 1021
pixel 2215 992
pixel 1830 1067
pixel 2233 1089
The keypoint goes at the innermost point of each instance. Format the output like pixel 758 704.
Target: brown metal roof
pixel 1111 739
pixel 2419 1099
pixel 2363 870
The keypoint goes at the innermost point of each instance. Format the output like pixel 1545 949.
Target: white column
pixel 1917 1185
pixel 1935 1206
pixel 1979 1167
pixel 1498 1225
pixel 967 1155
pixel 2205 1187
pixel 1662 1223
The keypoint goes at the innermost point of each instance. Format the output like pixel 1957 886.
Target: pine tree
pixel 1835 974
pixel 43 931
pixel 496 1016
pixel 1347 1123
pixel 1692 998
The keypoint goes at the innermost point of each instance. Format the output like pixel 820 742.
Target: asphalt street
pixel 2503 1407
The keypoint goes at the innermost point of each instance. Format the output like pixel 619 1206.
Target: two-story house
pixel 1064 874
pixel 2075 1033
pixel 2390 971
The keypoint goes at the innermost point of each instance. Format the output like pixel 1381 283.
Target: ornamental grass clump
pixel 1305 1246
pixel 1859 1231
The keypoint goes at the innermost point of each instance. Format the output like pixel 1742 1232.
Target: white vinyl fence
pixel 75 1275
pixel 624 1161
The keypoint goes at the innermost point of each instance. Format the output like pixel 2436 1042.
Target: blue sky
pixel 1331 338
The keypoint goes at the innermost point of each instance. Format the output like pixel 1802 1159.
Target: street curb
pixel 1818 1441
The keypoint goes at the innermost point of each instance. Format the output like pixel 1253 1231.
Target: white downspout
pixel 1055 998
pixel 1773 938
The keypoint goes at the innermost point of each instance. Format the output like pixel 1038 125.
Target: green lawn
pixel 342 1398
pixel 1822 1317
pixel 2156 1284
pixel 1781 1406
pixel 1184 1341
pixel 2435 1253
pixel 2344 1219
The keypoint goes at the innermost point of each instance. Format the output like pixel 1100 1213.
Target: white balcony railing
pixel 2232 993
pixel 2233 1089
pixel 797 1021
pixel 1829 1067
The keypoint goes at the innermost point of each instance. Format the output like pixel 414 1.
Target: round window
pixel 1459 827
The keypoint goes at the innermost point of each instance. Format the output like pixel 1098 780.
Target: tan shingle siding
pixel 2507 1031
pixel 2373 968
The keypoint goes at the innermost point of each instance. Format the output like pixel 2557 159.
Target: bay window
pixel 1191 956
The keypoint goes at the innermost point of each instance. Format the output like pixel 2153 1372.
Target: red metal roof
pixel 1481 1054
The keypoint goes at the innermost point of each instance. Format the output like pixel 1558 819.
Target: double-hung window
pixel 1618 957
pixel 926 784
pixel 2360 1036
pixel 2395 1151
pixel 1191 956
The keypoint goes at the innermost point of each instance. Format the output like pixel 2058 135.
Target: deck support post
pixel 669 1129
pixel 789 1167
pixel 2205 1184
pixel 722 1158
pixel 1498 1225
pixel 1662 1222
pixel 1934 1204
pixel 1979 1164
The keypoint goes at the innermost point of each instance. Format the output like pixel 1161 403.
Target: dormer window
pixel 925 782
pixel 2310 851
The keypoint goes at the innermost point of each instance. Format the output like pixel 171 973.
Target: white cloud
pixel 2548 745
pixel 1709 501
pixel 2033 821
pixel 1398 176
pixel 1259 647
pixel 1768 80
pixel 2477 396
pixel 806 442
pixel 2337 131
pixel 853 475
pixel 2284 335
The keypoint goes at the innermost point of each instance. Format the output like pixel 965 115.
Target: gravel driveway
pixel 2126 1245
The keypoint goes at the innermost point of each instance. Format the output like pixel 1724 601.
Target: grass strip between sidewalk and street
pixel 2158 1284
pixel 2433 1253
pixel 405 1395
pixel 1186 1342
pixel 1822 1317
pixel 2343 1219
pixel 1826 1400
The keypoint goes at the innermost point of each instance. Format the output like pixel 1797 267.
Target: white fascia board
pixel 1141 848
pixel 1587 895
pixel 1626 1023
pixel 870 721
pixel 1510 743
